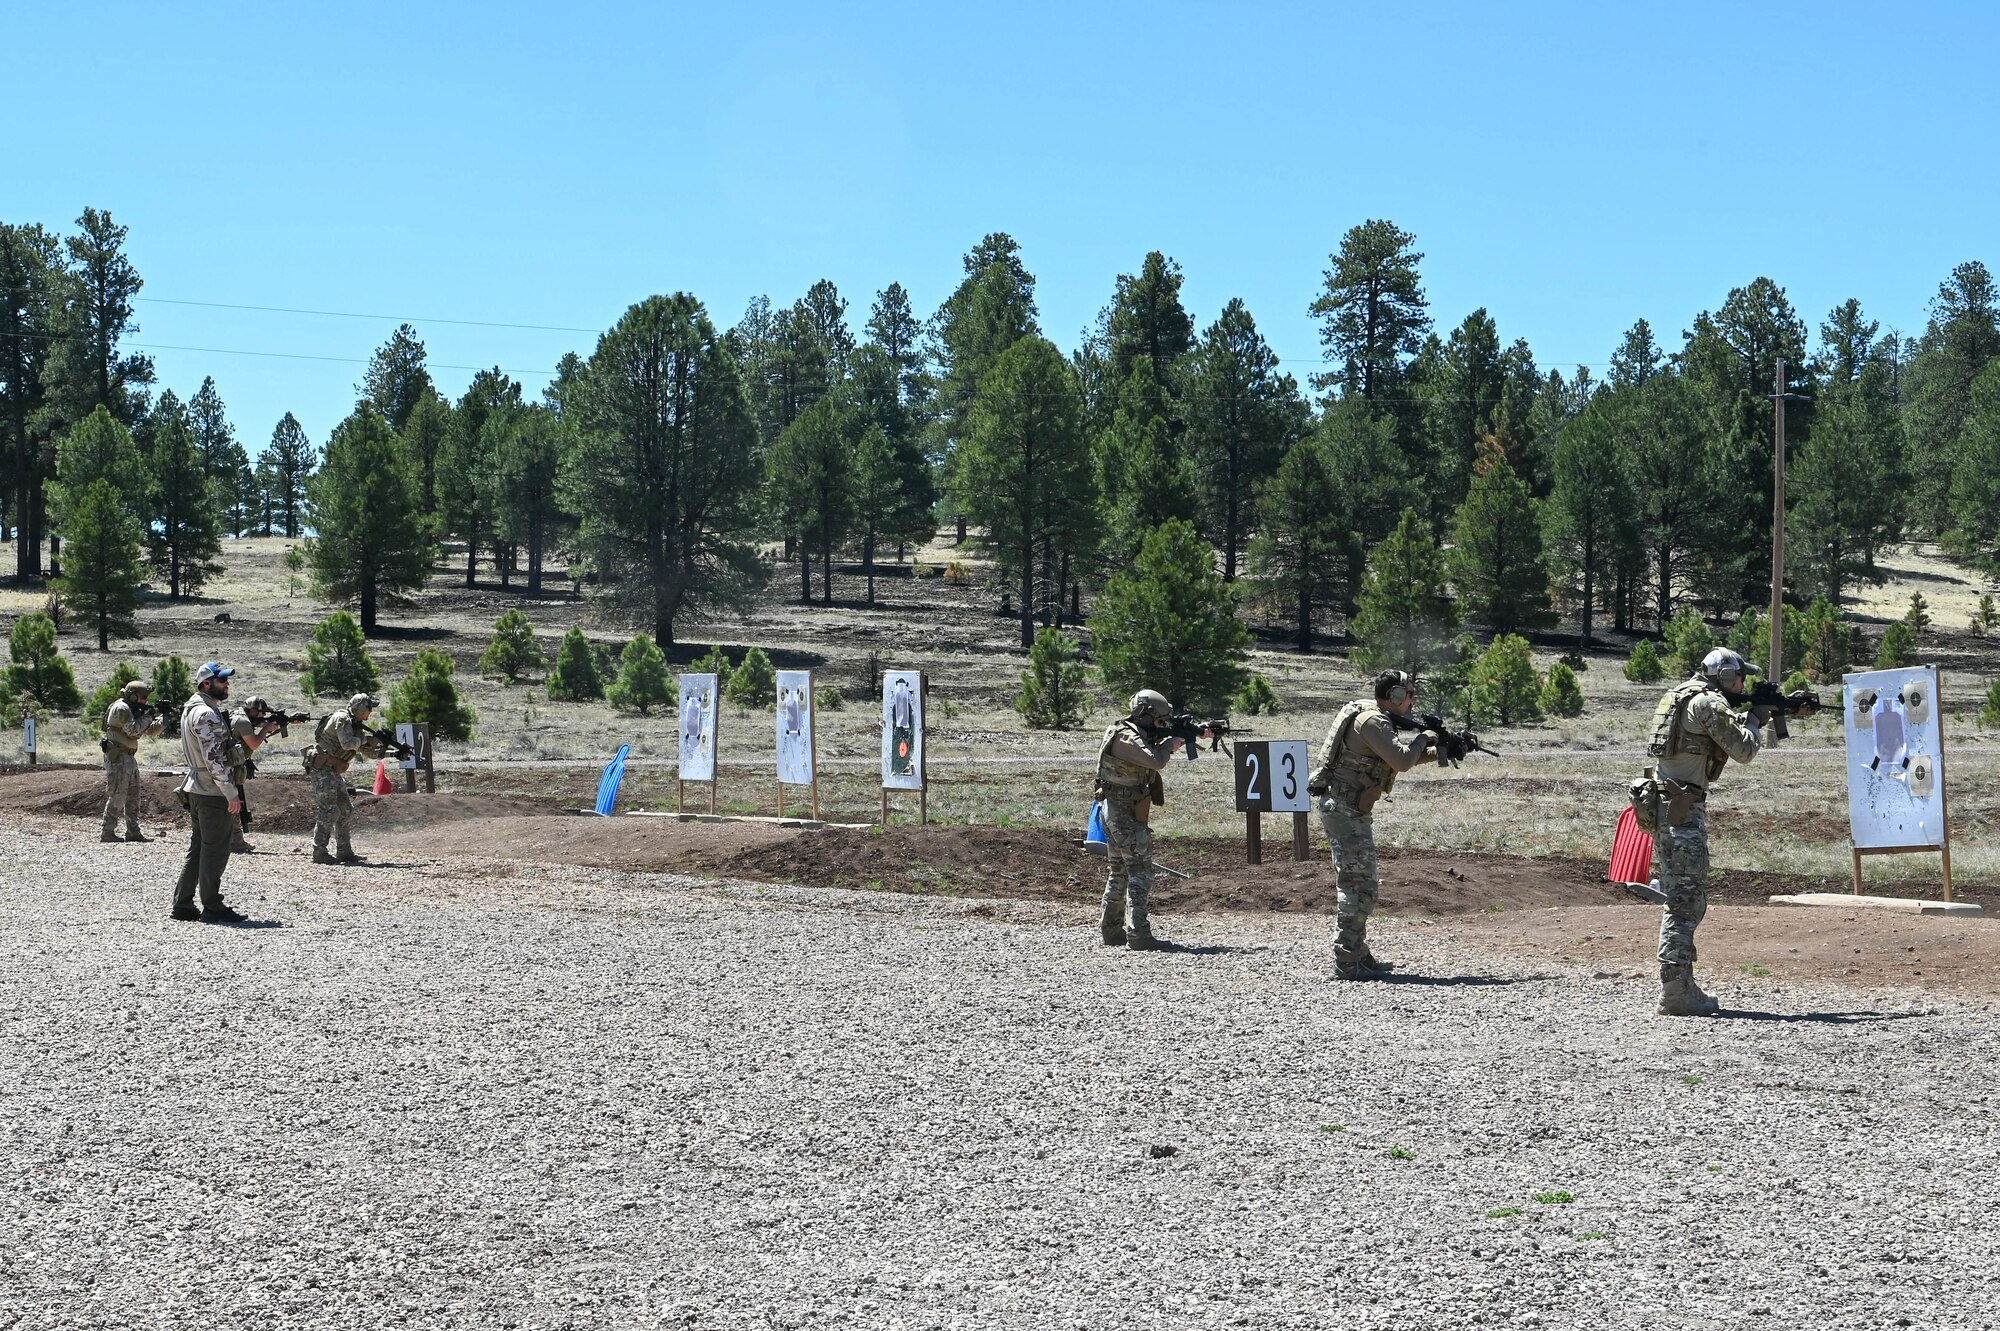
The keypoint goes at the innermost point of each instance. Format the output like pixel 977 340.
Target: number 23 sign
pixel 1271 776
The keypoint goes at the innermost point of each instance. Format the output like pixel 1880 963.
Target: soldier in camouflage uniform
pixel 1696 731
pixel 211 796
pixel 128 721
pixel 1358 764
pixel 336 741
pixel 1128 782
pixel 251 727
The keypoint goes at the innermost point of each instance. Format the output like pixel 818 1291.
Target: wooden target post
pixel 1271 778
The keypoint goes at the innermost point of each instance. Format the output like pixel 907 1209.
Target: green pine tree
pixel 1688 640
pixel 643 682
pixel 1496 559
pixel 575 677
pixel 369 543
pixel 101 698
pixel 1561 694
pixel 186 535
pixel 1918 616
pixel 101 569
pixel 1899 647
pixel 715 662
pixel 1644 666
pixel 1989 715
pixel 1505 688
pixel 513 651
pixel 754 683
pixel 337 659
pixel 1054 688
pixel 428 693
pixel 1300 555
pixel 38 670
pixel 1404 620
pixel 1169 622
pixel 1257 698
pixel 173 684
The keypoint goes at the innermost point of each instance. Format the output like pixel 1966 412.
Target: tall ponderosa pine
pixel 468 479
pixel 1146 321
pixel 214 437
pixel 809 481
pixel 1962 339
pixel 896 501
pixel 1474 399
pixel 1143 478
pixel 1024 465
pixel 86 369
pixel 665 469
pixel 101 570
pixel 1372 312
pixel 369 543
pixel 1496 559
pixel 1169 622
pixel 98 448
pixel 396 379
pixel 289 459
pixel 1299 557
pixel 1845 484
pixel 1591 517
pixel 1662 433
pixel 30 277
pixel 185 538
pixel 527 461
pixel 1405 620
pixel 1975 530
pixel 425 437
pixel 991 310
pixel 1242 414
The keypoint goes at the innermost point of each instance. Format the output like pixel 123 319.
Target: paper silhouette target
pixel 1895 781
pixel 903 729
pixel 697 727
pixel 795 727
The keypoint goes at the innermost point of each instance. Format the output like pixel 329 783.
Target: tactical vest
pixel 1350 770
pixel 322 752
pixel 1670 738
pixel 1116 775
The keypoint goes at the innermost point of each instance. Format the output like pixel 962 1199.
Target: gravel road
pixel 465 1095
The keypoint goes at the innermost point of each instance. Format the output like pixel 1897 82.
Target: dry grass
pixel 1558 788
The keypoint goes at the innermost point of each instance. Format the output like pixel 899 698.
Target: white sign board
pixel 27 734
pixel 795 727
pixel 1895 781
pixel 406 734
pixel 697 727
pixel 903 729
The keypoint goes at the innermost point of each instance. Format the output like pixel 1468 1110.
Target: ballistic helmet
pixel 138 688
pixel 1148 705
pixel 255 704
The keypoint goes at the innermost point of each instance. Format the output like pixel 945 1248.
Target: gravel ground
pixel 465 1095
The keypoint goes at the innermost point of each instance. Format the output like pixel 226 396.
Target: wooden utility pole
pixel 1777 657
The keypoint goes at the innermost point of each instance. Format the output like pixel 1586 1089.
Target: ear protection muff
pixel 1402 690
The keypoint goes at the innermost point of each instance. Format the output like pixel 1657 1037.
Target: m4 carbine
pixel 284 720
pixel 1190 730
pixel 1775 703
pixel 391 746
pixel 1452 745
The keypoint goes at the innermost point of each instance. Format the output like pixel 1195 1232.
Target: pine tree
pixel 428 693
pixel 424 438
pixel 753 683
pixel 1242 415
pixel 290 459
pixel 1496 559
pixel 513 651
pixel 991 310
pixel 810 475
pixel 1899 647
pixel 369 543
pixel 31 315
pixel 1404 619
pixel 1505 687
pixel 642 682
pixel 1055 684
pixel 99 702
pixel 186 539
pixel 1989 715
pixel 173 685
pixel 97 448
pixel 1644 666
pixel 1918 616
pixel 397 380
pixel 575 677
pixel 101 569
pixel 1372 311
pixel 526 462
pixel 1561 694
pixel 38 670
pixel 337 659
pixel 1168 622
pixel 1142 477
pixel 1974 532
pixel 1960 343
pixel 1688 640
pixel 1591 517
pixel 665 466
pixel 1300 555
pixel 214 437
pixel 468 476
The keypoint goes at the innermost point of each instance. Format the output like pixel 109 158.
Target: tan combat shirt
pixel 1129 765
pixel 340 739
pixel 1710 734
pixel 123 730
pixel 206 744
pixel 1373 754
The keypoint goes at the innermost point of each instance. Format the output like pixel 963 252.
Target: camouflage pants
pixel 1129 847
pixel 1682 855
pixel 332 807
pixel 1351 833
pixel 121 792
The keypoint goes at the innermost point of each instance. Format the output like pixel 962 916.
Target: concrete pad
pixel 1910 905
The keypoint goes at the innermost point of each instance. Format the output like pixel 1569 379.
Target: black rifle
pixel 284 720
pixel 1190 730
pixel 391 746
pixel 1799 702
pixel 1452 745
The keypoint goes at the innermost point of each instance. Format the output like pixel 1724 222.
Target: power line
pixel 382 318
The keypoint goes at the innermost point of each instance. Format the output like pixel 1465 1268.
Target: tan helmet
pixel 1148 705
pixel 138 688
pixel 360 702
pixel 254 704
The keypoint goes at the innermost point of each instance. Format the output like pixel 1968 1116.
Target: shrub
pixel 1687 639
pixel 1645 667
pixel 513 652
pixel 1899 646
pixel 1505 687
pixel 428 694
pixel 1989 615
pixel 107 693
pixel 39 672
pixel 1989 715
pixel 1750 636
pixel 1918 616
pixel 575 677
pixel 830 699
pixel 172 686
pixel 1053 687
pixel 714 662
pixel 753 683
pixel 606 656
pixel 1561 694
pixel 1795 681
pixel 1257 698
pixel 1827 644
pixel 1575 661
pixel 337 659
pixel 957 573
pixel 642 682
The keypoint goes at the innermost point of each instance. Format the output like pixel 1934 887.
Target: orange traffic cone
pixel 382 786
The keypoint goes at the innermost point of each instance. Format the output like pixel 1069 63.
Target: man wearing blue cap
pixel 212 796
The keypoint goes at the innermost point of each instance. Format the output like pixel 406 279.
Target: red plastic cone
pixel 1631 851
pixel 383 787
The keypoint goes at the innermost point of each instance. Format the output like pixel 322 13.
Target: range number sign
pixel 1271 776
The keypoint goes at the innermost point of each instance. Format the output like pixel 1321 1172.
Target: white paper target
pixel 697 727
pixel 903 729
pixel 795 727
pixel 1895 780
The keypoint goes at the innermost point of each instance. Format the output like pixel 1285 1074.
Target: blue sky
pixel 1569 167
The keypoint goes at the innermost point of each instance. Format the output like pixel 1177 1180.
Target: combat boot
pixel 241 847
pixel 320 856
pixel 109 835
pixel 1369 961
pixel 1348 964
pixel 1680 996
pixel 134 834
pixel 349 857
pixel 1139 932
pixel 1110 926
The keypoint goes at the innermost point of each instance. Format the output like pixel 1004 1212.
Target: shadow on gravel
pixel 1207 949
pixel 1831 1018
pixel 1459 981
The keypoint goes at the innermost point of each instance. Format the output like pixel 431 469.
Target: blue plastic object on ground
pixel 607 785
pixel 1095 835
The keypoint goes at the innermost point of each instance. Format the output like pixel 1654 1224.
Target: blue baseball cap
pixel 212 670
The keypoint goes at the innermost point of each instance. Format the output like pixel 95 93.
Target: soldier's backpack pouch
pixel 1648 802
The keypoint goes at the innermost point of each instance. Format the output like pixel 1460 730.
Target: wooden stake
pixel 1944 797
pixel 1253 838
pixel 1301 838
